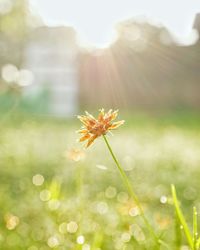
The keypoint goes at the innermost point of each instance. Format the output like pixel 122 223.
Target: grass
pixel 83 204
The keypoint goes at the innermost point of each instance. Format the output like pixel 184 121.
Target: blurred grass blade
pixel 181 217
pixel 198 244
pixel 178 233
pixel 55 188
pixel 195 231
pixel 97 241
pixel 164 244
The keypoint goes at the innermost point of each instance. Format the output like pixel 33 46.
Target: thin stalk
pixel 198 243
pixel 178 233
pixel 132 193
pixel 181 217
pixel 195 232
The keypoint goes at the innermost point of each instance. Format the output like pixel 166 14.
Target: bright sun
pixel 100 38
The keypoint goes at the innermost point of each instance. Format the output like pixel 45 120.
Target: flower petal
pixel 101 115
pixel 89 115
pixel 87 121
pixel 82 131
pixel 83 119
pixel 114 115
pixel 110 116
pixel 116 125
pixel 91 140
pixel 85 137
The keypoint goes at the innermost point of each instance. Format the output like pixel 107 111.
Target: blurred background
pixel 58 58
pixel 145 66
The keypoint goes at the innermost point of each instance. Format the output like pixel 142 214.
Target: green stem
pixel 195 231
pixel 131 192
pixel 181 217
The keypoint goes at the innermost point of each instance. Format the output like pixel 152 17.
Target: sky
pixel 95 20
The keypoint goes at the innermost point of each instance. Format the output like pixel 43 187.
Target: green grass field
pixel 48 200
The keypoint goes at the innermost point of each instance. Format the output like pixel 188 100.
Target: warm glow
pixel 95 20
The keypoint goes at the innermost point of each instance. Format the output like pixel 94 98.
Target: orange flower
pixel 94 128
pixel 75 154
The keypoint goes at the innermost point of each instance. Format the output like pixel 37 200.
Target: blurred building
pixel 146 68
pixel 197 23
pixel 51 55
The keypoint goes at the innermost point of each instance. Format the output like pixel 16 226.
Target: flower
pixel 75 154
pixel 94 128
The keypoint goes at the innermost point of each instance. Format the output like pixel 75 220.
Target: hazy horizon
pixel 95 20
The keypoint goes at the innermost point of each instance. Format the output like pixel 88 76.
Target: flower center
pixel 98 129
